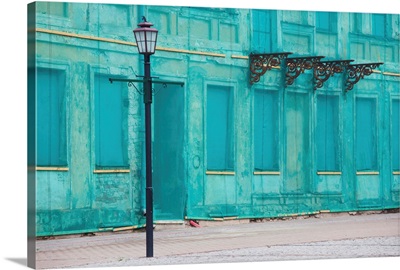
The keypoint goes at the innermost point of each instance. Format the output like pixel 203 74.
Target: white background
pixel 13 105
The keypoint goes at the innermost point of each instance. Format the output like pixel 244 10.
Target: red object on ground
pixel 194 224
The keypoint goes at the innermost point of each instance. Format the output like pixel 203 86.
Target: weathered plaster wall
pixel 201 47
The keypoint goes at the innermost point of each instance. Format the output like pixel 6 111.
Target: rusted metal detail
pixel 358 71
pixel 296 66
pixel 325 69
pixel 261 63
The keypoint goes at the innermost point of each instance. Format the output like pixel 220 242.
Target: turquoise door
pixel 168 161
pixel 297 156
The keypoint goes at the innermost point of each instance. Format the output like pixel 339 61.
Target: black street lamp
pixel 146 39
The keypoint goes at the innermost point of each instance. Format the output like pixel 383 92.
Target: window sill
pixel 112 171
pixel 396 173
pixel 267 173
pixel 328 173
pixel 367 173
pixel 219 173
pixel 58 169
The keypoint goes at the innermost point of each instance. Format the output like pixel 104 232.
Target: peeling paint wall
pixel 209 47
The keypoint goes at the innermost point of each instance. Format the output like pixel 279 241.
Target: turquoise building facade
pixel 225 145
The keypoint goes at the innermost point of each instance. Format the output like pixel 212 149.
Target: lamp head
pixel 146 37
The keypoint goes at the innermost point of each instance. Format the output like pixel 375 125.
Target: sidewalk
pixel 201 245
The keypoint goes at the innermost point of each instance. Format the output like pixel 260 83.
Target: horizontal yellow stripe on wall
pixel 266 173
pixel 391 74
pixel 73 35
pixel 112 171
pixel 396 173
pixel 240 57
pixel 60 169
pixel 386 73
pixel 219 173
pixel 367 173
pixel 122 42
pixel 329 173
pixel 190 52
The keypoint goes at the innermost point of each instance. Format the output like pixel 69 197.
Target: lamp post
pixel 146 39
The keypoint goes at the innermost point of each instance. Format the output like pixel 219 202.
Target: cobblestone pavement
pixel 342 249
pixel 326 237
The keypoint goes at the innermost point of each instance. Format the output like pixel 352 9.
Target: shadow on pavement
pixel 20 261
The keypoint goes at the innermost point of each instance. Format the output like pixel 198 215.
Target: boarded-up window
pixel 366 134
pixel 326 21
pixel 52 8
pixel 379 25
pixel 396 134
pixel 261 40
pixel 357 23
pixel 266 156
pixel 327 133
pixel 219 128
pixel 51 122
pixel 111 106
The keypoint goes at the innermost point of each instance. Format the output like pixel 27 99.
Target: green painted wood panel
pixel 262 30
pixel 220 155
pixel 169 182
pixel 220 191
pixel 328 133
pixel 51 118
pixel 379 25
pixel 54 8
pixel 395 139
pixel 368 190
pixel 326 21
pixel 110 123
pixel 297 156
pixel 266 130
pixel 366 151
pixel 267 184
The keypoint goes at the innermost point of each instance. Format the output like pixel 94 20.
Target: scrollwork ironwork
pixel 297 66
pixel 325 69
pixel 131 83
pixel 261 63
pixel 358 71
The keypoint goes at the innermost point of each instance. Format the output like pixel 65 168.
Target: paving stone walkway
pixel 346 236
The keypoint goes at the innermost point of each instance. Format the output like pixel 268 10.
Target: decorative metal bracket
pixel 358 71
pixel 140 91
pixel 296 66
pixel 261 63
pixel 325 69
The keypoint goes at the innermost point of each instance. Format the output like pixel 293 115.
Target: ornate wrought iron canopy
pixel 358 71
pixel 261 63
pixel 297 65
pixel 323 70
